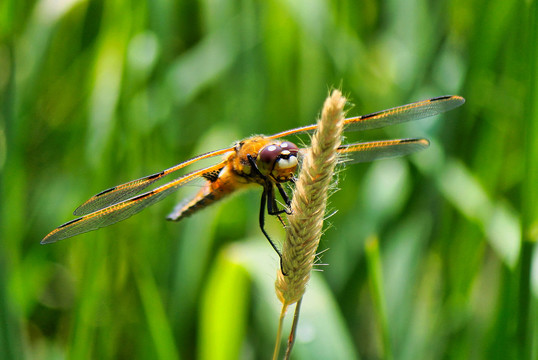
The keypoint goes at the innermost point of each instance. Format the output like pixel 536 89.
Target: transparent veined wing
pixel 400 114
pixel 118 193
pixel 374 150
pixel 122 210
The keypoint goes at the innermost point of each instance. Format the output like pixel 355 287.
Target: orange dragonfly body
pixel 268 161
pixel 237 173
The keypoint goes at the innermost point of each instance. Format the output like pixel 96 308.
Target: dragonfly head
pixel 278 160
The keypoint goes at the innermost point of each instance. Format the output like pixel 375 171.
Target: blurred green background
pixel 430 256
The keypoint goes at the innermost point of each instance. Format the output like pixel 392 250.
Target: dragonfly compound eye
pixel 291 147
pixel 288 156
pixel 268 155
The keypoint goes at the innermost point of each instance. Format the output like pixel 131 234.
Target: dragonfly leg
pixel 254 166
pixel 285 196
pixel 272 207
pixel 264 201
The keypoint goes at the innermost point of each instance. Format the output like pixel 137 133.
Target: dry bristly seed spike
pixel 310 201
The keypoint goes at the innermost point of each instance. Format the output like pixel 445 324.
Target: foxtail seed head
pixel 309 202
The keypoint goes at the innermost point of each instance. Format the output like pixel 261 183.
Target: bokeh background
pixel 429 257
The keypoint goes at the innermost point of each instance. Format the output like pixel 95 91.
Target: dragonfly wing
pixel 404 113
pixel 370 151
pixel 122 210
pixel 125 191
pixel 116 194
pixel 397 115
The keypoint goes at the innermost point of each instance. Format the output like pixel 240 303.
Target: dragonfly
pixel 269 161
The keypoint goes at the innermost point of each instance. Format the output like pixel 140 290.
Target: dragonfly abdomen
pixel 212 191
